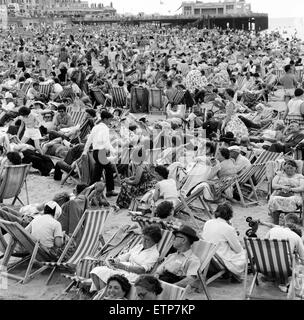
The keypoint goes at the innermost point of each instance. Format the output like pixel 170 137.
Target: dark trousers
pixel 61 165
pixel 99 167
pixel 250 124
pixel 277 147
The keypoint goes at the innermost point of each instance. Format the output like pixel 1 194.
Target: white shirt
pixel 45 229
pixel 99 138
pixel 242 163
pixel 281 233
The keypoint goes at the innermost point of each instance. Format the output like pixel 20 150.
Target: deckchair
pixel 205 251
pixel 156 103
pixel 121 242
pixel 119 97
pixel 92 222
pixel 84 131
pixel 100 98
pixel 45 88
pixel 13 181
pixel 77 116
pixel 22 237
pixel 170 292
pixel 260 175
pixel 25 88
pixel 178 97
pixel 244 178
pixel 269 257
pixel 139 100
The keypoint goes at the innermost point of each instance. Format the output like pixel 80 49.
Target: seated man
pixel 69 161
pixel 62 119
pixel 34 93
pixel 293 136
pixel 46 229
pixel 241 163
pixel 181 267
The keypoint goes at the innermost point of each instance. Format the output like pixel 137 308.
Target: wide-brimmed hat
pixel 188 232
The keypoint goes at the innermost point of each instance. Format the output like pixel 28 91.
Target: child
pixel 97 198
pixel 31 124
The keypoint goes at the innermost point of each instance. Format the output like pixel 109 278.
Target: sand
pixel 44 188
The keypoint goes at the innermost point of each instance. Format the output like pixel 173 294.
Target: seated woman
pixel 223 171
pixel 140 259
pixel 137 185
pixel 147 287
pixel 220 231
pixel 118 287
pixel 288 186
pixel 165 189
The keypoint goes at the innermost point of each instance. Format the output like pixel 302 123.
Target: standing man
pixel 100 139
pixel 289 83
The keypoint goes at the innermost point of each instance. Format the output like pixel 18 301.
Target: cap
pixel 188 232
pixel 234 148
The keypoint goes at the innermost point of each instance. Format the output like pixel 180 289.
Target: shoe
pixel 111 194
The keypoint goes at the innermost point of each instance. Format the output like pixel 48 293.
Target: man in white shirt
pixel 286 232
pixel 45 228
pixel 241 163
pixel 99 138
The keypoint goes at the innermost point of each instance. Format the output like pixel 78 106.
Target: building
pixel 227 7
pixel 3 17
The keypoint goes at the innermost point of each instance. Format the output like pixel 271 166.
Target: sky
pixel 274 8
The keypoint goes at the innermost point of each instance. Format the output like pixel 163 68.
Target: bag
pixel 170 277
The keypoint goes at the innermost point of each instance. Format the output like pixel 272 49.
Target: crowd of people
pixel 216 89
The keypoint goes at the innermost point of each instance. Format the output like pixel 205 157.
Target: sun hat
pixel 53 207
pixel 188 232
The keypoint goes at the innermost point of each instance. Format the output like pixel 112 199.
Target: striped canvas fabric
pixel 270 257
pixel 94 221
pixel 45 88
pixel 119 98
pixel 263 158
pixel 179 96
pixel 77 116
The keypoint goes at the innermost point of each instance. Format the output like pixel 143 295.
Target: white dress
pixel 218 231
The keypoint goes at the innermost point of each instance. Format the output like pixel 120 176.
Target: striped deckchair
pixel 156 103
pixel 25 88
pixel 205 251
pixel 77 116
pixel 178 97
pixel 170 292
pixel 272 258
pixel 92 223
pixel 121 242
pixel 84 131
pixel 100 98
pixel 119 97
pixel 20 236
pixel 45 88
pixel 240 81
pixel 152 155
pixel 12 182
pixel 279 73
pixel 263 158
pixel 244 178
